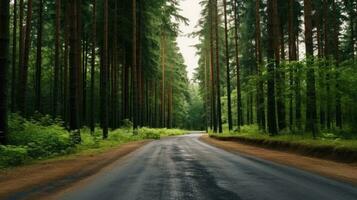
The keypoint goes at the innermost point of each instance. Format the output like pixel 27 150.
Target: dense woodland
pixel 288 66
pixel 88 62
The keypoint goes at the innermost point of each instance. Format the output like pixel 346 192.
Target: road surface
pixel 185 168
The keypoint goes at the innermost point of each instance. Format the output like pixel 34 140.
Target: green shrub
pixel 12 156
pixel 40 141
pixel 148 133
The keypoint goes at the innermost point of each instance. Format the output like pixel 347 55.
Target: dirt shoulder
pixel 44 178
pixel 346 172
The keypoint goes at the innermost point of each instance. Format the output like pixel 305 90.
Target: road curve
pixel 184 168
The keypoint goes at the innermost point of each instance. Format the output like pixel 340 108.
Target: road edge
pixel 75 172
pixel 318 166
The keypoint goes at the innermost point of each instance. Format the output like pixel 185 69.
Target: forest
pixel 77 69
pixel 75 72
pixel 280 67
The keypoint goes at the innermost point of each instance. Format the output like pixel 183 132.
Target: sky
pixel 190 9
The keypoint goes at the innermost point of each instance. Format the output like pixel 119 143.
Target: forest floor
pixel 340 171
pixel 45 177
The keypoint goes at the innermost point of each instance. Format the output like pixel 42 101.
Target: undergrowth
pixel 42 137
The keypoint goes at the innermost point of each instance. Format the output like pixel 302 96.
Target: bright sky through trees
pixel 190 9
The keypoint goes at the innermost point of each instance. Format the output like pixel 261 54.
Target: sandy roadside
pixel 339 171
pixel 45 178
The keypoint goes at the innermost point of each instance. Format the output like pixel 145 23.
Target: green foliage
pixel 40 140
pixel 324 139
pixel 148 133
pixel 42 137
pixel 12 155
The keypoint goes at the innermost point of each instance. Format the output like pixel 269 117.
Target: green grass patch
pixel 323 146
pixel 42 138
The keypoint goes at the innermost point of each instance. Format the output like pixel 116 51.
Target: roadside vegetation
pixel 341 146
pixel 42 137
pixel 337 140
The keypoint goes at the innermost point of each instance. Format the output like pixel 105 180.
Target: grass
pixel 323 140
pixel 39 140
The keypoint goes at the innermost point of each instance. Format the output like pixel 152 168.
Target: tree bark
pixel 92 71
pixel 4 64
pixel 219 110
pixel 228 78
pixel 311 113
pixel 22 85
pixel 259 62
pixel 14 49
pixel 104 74
pixel 271 52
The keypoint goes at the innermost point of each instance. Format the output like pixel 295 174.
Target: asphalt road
pixel 185 168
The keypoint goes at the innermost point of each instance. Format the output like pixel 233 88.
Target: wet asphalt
pixel 184 168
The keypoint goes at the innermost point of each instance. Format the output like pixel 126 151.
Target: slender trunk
pixel 57 58
pixel 230 123
pixel 65 66
pixel 218 70
pixel 13 67
pixel 74 69
pixel 92 71
pixel 292 57
pixel 311 114
pixel 337 60
pixel 104 74
pixel 134 65
pixel 22 85
pixel 212 78
pixel 4 63
pixel 21 53
pixel 236 43
pixel 272 125
pixel 280 82
pixel 39 59
pixel 259 60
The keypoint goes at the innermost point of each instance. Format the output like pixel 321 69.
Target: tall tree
pixel 14 50
pixel 219 108
pixel 212 77
pixel 311 113
pixel 271 54
pixel 4 63
pixel 23 71
pixel 57 58
pixel 74 65
pixel 259 63
pixel 228 78
pixel 104 73
pixel 92 70
pixel 238 71
pixel 39 57
pixel 292 55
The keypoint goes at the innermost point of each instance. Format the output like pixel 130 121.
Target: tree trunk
pixel 236 43
pixel 92 71
pixel 230 123
pixel 22 85
pixel 311 114
pixel 74 69
pixel 212 78
pixel 39 59
pixel 4 63
pixel 259 60
pixel 272 14
pixel 292 57
pixel 13 68
pixel 336 22
pixel 219 110
pixel 104 74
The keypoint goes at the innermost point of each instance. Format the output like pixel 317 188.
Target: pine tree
pixel 4 63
